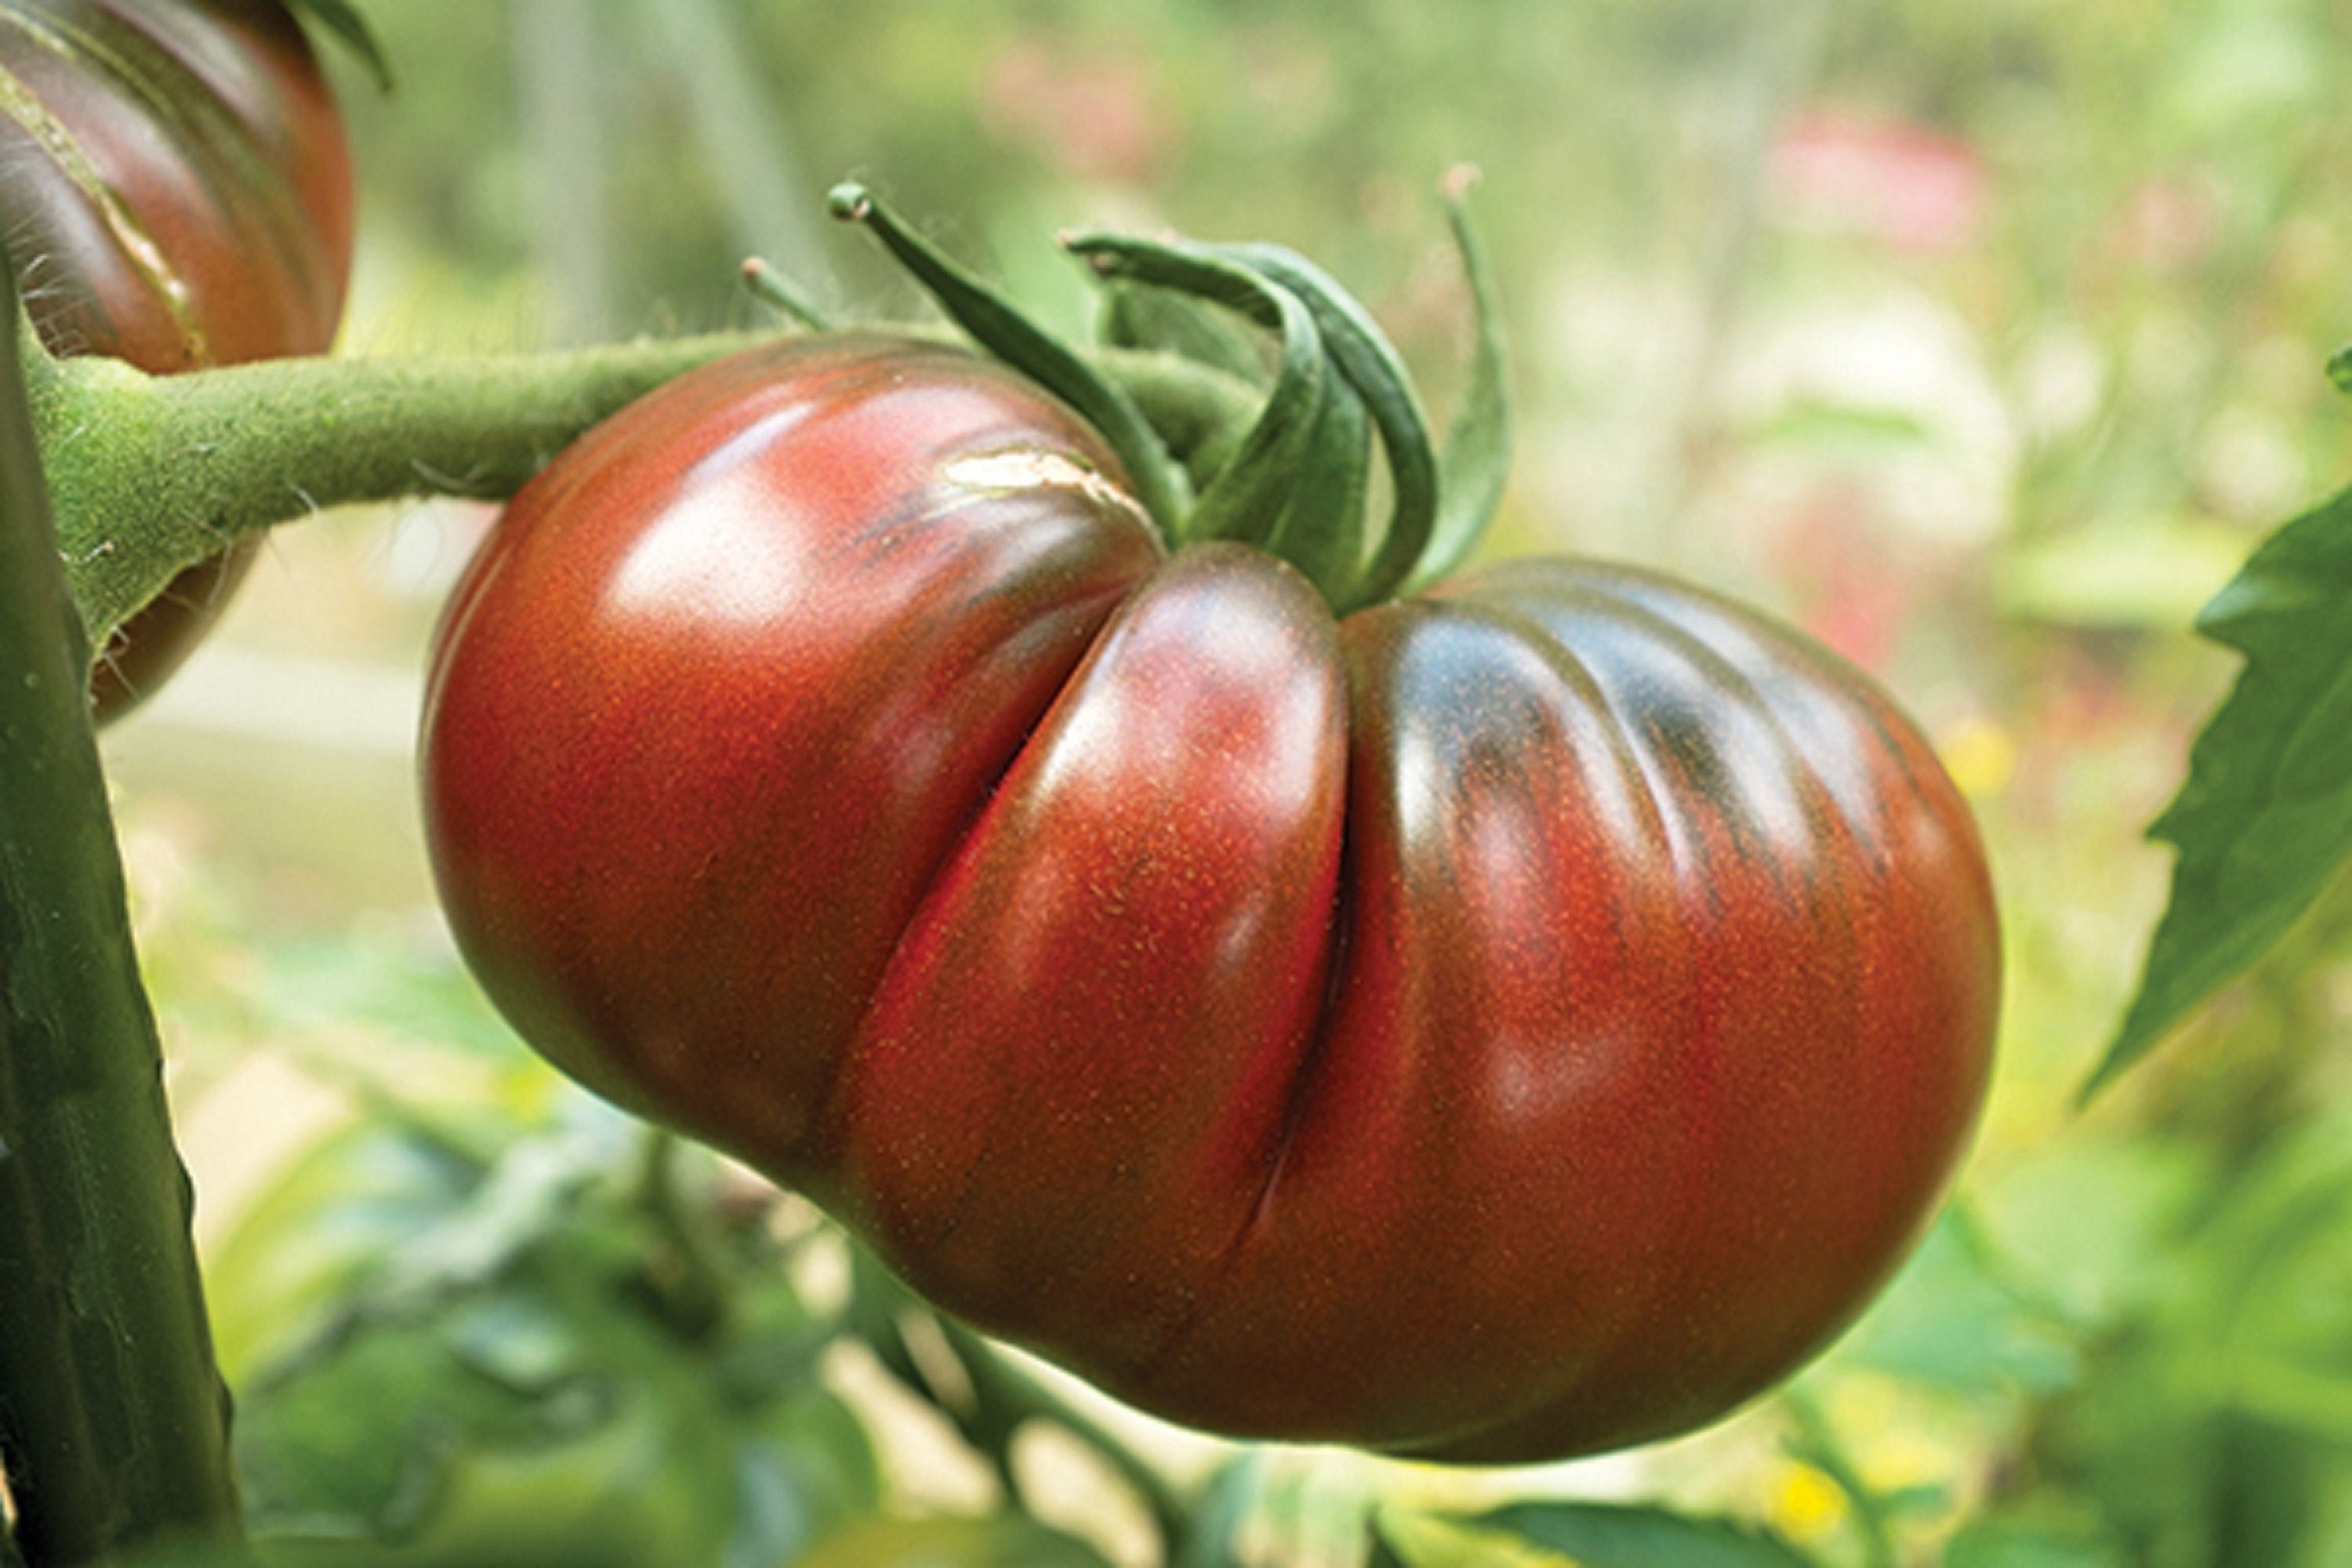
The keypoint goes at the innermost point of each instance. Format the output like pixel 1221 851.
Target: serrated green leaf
pixel 2265 821
pixel 1614 1535
pixel 349 27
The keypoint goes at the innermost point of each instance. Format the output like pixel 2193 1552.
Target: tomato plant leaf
pixel 1950 1320
pixel 2264 819
pixel 1002 1541
pixel 1615 1535
pixel 344 22
pixel 1413 1540
pixel 1220 1510
pixel 2006 1543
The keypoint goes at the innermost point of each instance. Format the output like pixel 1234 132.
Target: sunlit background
pixel 1981 340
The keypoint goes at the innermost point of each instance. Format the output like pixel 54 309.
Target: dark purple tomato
pixel 1510 1023
pixel 178 193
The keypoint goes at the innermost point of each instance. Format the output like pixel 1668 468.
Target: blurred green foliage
pixel 1982 339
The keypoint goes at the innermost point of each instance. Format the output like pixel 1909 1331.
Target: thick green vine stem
pixel 152 474
pixel 114 1418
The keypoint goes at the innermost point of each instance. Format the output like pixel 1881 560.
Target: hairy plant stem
pixel 113 1418
pixel 154 474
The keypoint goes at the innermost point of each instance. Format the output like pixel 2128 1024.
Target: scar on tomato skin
pixel 1032 468
pixel 21 105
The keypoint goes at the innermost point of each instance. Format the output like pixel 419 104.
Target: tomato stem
pixel 152 474
pixel 114 1418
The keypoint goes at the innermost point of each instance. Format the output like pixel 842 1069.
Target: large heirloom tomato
pixel 1506 1022
pixel 177 192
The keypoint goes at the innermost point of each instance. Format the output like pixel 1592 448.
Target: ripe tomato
pixel 1508 1023
pixel 179 195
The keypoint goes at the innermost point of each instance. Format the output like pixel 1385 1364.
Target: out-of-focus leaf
pixel 1821 428
pixel 372 976
pixel 1219 1513
pixel 340 1209
pixel 2264 820
pixel 2273 1272
pixel 2000 1543
pixel 802 1473
pixel 2140 576
pixel 1007 1541
pixel 498 1380
pixel 2267 1492
pixel 2213 1421
pixel 1950 1321
pixel 1428 1540
pixel 363 1443
pixel 2094 1225
pixel 1610 1535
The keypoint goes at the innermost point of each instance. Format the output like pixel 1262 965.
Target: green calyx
pixel 1294 477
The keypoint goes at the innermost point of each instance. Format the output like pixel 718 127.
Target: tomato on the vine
pixel 178 192
pixel 1514 1020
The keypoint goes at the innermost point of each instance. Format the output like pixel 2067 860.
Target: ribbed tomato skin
pixel 178 191
pixel 1507 1024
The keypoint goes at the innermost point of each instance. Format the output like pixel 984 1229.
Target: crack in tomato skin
pixel 179 191
pixel 724 689
pixel 1066 1095
pixel 1662 1011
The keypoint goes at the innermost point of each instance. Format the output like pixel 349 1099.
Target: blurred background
pixel 1981 340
